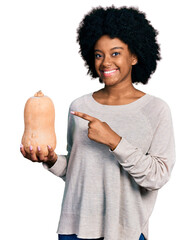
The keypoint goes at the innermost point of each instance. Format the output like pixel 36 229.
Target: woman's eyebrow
pixel 116 48
pixel 97 50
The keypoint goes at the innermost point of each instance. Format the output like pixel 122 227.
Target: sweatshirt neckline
pixel 135 104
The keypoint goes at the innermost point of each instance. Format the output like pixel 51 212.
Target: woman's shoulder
pixel 79 100
pixel 156 103
pixel 156 108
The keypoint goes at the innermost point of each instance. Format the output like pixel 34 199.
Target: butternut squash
pixel 39 120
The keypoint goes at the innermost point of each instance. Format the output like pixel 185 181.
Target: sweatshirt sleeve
pixel 153 169
pixel 60 167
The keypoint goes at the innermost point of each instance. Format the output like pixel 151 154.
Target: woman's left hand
pixel 100 131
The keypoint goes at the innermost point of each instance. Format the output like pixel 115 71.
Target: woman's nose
pixel 106 61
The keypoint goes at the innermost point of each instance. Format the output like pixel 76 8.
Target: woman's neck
pixel 120 92
pixel 112 96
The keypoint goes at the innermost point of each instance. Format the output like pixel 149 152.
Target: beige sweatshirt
pixel 111 194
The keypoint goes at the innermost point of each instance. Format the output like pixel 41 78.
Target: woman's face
pixel 113 60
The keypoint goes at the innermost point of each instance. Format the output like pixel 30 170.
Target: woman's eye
pixel 97 55
pixel 115 54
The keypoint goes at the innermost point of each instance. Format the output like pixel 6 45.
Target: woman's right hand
pixel 39 157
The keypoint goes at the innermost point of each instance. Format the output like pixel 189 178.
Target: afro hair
pixel 130 26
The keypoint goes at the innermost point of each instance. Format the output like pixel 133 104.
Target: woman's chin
pixel 109 81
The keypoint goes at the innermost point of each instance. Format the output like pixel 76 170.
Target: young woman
pixel 120 140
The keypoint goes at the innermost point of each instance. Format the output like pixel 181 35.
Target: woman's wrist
pixel 51 162
pixel 114 142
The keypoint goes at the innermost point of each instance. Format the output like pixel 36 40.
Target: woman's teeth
pixel 109 73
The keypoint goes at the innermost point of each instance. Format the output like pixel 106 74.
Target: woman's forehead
pixel 106 42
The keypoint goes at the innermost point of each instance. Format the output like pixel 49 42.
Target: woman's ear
pixel 134 59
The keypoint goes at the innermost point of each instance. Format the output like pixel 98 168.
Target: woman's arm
pixel 151 170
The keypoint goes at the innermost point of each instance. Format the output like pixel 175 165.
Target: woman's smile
pixel 109 73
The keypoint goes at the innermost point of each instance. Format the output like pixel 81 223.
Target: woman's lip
pixel 108 73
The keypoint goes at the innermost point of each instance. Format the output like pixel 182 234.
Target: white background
pixel 38 50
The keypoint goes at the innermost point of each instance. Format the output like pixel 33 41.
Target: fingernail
pixel 21 145
pixel 72 112
pixel 38 148
pixel 31 148
pixel 49 147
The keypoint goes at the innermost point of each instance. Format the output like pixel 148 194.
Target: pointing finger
pixel 84 116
